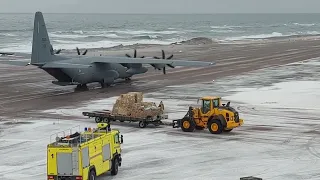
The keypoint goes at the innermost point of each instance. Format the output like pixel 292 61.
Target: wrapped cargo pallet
pixel 131 104
pixel 125 102
pixel 130 107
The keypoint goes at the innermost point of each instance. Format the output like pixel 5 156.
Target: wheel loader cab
pixel 206 106
pixel 209 103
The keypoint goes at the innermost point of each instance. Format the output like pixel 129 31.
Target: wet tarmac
pixel 25 89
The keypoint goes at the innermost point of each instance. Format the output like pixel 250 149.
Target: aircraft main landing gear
pixel 81 87
pixel 103 84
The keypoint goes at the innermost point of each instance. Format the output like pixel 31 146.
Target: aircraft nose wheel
pixel 127 79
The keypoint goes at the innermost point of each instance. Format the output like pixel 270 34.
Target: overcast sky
pixel 161 6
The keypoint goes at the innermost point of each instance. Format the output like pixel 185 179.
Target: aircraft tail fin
pixel 41 46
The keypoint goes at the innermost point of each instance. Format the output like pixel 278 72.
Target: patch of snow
pixel 279 139
pixel 294 94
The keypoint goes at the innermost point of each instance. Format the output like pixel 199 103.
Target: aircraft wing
pixel 102 59
pixel 83 62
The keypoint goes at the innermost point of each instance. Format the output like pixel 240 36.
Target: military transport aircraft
pixel 81 70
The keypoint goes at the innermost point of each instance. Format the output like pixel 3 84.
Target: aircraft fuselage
pixel 97 72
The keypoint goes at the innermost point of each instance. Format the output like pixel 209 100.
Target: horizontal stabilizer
pixel 6 53
pixel 15 62
pixel 15 55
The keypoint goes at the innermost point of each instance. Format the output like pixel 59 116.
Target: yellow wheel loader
pixel 212 114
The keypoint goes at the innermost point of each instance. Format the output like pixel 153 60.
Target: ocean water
pixel 68 31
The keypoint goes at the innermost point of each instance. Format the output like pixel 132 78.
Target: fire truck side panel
pixel 64 161
pixel 106 155
pixel 84 162
pixel 55 158
pixel 95 153
pixel 98 154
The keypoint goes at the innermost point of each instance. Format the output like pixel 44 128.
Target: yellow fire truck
pixel 85 155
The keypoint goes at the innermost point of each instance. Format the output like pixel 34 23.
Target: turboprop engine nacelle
pixel 109 76
pixel 140 70
pixel 158 66
pixel 113 73
pixel 108 80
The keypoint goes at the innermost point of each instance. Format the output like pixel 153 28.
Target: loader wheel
pixel 187 125
pixel 215 126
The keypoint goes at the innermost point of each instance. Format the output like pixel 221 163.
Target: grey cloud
pixel 160 6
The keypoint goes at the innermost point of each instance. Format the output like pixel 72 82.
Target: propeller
pixel 134 55
pixel 84 53
pixel 163 57
pixel 55 51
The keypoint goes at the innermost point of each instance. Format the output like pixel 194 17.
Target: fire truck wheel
pixel 115 166
pixel 92 175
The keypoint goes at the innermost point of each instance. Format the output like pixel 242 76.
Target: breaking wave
pixel 306 25
pixel 271 35
pixel 226 27
pixel 147 37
